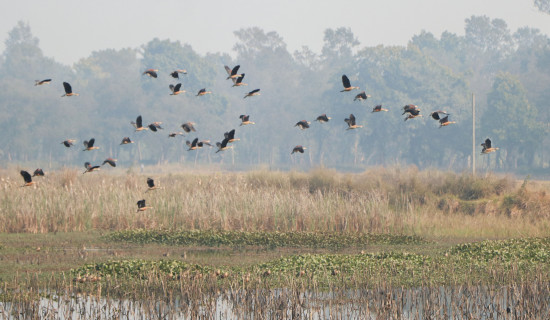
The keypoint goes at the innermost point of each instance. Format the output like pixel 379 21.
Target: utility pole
pixel 473 134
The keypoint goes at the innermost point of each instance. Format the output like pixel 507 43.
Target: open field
pixel 283 241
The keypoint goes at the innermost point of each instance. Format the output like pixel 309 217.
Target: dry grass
pixel 430 203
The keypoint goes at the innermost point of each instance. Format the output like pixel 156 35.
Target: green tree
pixel 512 122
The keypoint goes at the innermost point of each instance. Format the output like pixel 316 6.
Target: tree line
pixel 507 71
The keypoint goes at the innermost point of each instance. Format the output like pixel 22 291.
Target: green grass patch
pixel 214 238
pixel 489 262
pixel 527 250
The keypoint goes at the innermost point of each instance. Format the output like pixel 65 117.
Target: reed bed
pixel 155 296
pixel 381 200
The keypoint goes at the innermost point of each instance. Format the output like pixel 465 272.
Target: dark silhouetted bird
pixel 299 149
pixel 142 206
pixel 68 143
pixel 41 82
pixel 351 122
pixel 68 90
pixel 176 73
pixel 303 124
pixel 126 140
pixel 188 127
pixel 38 173
pixel 90 168
pixel 232 73
pixel 239 81
pixel 27 178
pixel 347 84
pixel 378 108
pixel 487 147
pixel 255 92
pixel 361 96
pixel 89 145
pixel 323 118
pixel 176 89
pixel 151 72
pixel 245 120
pixel 203 92
pixel 110 161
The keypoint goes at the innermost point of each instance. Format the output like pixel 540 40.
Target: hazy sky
pixel 71 29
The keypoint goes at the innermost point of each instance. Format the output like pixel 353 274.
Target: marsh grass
pixel 401 201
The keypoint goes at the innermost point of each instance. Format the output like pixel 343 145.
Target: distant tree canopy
pixel 508 72
pixel 543 5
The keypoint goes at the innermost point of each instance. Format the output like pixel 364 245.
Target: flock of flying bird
pixel 411 110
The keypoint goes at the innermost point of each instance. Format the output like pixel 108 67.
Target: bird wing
pixel 26 176
pixel 152 127
pixel 488 143
pixel 352 119
pixel 345 81
pixel 254 91
pixel 177 87
pixel 228 70
pixel 91 143
pixel 67 87
pixel 444 120
pixel 150 182
pixel 240 79
pixel 235 70
pixel 175 75
pixel 194 143
pixel 139 122
pixel 435 115
pixel 232 134
pixel 202 91
pixel 141 203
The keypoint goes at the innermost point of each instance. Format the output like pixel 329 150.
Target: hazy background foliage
pixel 507 70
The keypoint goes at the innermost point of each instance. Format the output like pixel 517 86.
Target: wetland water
pixel 529 301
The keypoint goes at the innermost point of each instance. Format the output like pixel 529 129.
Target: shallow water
pixel 472 302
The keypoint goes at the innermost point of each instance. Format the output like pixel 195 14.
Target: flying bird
pixel 41 82
pixel 410 108
pixel 141 205
pixel 151 185
pixel 139 124
pixel 176 73
pixel 323 118
pixel 68 143
pixel 126 140
pixel 245 119
pixel 378 108
pixel 203 92
pixel 303 124
pixel 239 81
pixel 443 122
pixel 487 148
pixel 437 115
pixel 222 146
pixel 110 161
pixel 89 145
pixel 90 168
pixel 255 92
pixel 68 90
pixel 230 136
pixel 194 145
pixel 188 127
pixel 347 84
pixel 27 177
pixel 151 72
pixel 232 73
pixel 413 113
pixel 174 134
pixel 361 96
pixel 298 149
pixel 351 122
pixel 38 173
pixel 176 89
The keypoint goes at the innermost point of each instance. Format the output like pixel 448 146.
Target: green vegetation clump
pixel 527 250
pixel 214 238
